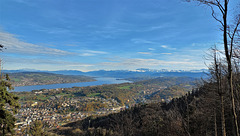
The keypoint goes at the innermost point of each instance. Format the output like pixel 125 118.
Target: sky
pixel 89 35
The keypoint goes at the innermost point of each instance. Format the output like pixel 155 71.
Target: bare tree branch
pixel 220 6
pixel 233 35
pixel 1 47
pixel 213 15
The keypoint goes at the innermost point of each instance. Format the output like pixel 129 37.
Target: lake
pixel 100 81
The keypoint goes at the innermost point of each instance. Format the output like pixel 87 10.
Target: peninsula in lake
pixel 44 78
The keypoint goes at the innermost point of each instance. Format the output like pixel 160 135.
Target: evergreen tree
pixel 37 128
pixel 8 104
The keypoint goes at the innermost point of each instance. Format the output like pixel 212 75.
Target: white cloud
pixel 164 46
pixel 44 64
pixel 151 49
pixel 15 45
pixel 162 26
pixel 90 52
pixel 205 44
pixel 167 47
pixel 137 62
pixel 150 53
pixel 142 41
pixel 166 53
pixel 146 53
pixel 96 52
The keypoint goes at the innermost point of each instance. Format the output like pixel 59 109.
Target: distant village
pixel 61 111
pixel 58 110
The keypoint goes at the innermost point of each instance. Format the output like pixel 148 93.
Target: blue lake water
pixel 100 81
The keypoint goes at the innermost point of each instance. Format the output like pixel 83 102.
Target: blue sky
pixel 105 34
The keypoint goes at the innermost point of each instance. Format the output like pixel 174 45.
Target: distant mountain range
pixel 138 73
pixel 166 70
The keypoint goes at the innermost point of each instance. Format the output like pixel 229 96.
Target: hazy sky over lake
pixel 105 34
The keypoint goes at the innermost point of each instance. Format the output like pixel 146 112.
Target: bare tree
pixel 218 74
pixel 229 38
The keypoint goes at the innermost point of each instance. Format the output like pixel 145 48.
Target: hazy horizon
pixel 136 70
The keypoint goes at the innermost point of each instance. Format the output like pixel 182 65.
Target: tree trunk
pixel 215 123
pixel 228 57
pixel 233 107
pixel 222 117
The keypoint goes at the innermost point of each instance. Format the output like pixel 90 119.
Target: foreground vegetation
pixel 8 106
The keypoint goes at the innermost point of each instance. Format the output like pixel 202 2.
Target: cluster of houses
pixel 53 116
